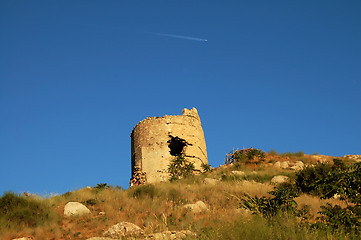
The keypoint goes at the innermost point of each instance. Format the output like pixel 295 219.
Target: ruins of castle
pixel 155 141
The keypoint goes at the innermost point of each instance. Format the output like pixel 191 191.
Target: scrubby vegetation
pixel 325 181
pixel 245 156
pixel 17 212
pixel 319 202
pixel 180 168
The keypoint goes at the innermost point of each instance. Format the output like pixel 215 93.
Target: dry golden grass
pixel 314 203
pixel 159 208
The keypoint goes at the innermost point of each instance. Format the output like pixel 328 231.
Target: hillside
pixel 238 200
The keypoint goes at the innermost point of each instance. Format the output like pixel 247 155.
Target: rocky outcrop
pixel 75 209
pixel 279 179
pixel 299 165
pixel 197 207
pixel 123 229
pixel 355 157
pixel 282 165
pixel 322 158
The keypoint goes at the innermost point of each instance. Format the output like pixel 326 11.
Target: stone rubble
pixel 123 229
pixel 299 165
pixel 355 157
pixel 197 207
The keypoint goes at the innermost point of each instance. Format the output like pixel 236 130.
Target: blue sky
pixel 76 76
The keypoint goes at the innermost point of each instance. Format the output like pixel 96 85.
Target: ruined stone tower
pixel 157 140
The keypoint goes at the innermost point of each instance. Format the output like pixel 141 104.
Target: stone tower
pixel 157 140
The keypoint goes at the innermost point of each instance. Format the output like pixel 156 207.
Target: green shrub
pixel 306 179
pixel 90 202
pixel 19 212
pixel 337 217
pixel 205 168
pixel 101 186
pixel 329 181
pixel 283 201
pixel 180 168
pixel 245 156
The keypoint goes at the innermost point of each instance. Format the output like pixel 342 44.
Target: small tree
pixel 180 168
pixel 245 156
pixel 205 167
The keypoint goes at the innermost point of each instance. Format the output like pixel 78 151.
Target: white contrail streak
pixel 179 36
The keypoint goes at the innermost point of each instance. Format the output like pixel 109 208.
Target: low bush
pixel 245 156
pixel 180 168
pixel 336 217
pixel 306 178
pixel 268 207
pixel 143 191
pixel 272 152
pixel 101 186
pixel 18 212
pixel 329 181
pixel 290 154
pixel 205 168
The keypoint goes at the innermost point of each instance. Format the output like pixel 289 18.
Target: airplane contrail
pixel 178 36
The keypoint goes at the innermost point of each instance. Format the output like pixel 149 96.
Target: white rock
pixel 23 238
pixel 285 164
pixel 75 209
pixel 299 165
pixel 295 168
pixel 197 207
pixel 210 181
pixel 123 229
pixel 277 164
pixel 239 173
pixel 279 179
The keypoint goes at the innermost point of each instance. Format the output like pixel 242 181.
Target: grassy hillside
pixel 240 201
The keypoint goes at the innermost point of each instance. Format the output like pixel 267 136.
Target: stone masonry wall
pixel 155 141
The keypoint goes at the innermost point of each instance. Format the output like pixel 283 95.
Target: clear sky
pixel 76 76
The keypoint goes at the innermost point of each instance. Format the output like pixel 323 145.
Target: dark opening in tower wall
pixel 176 145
